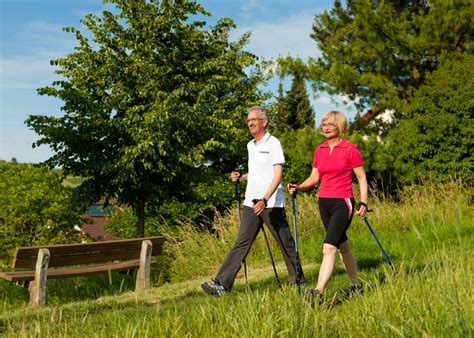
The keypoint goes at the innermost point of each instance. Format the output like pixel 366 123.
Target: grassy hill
pixel 428 234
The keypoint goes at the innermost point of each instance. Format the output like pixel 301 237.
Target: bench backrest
pixel 87 253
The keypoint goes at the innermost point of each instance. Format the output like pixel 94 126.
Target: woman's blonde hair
pixel 340 119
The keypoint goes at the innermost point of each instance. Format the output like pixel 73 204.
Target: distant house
pixel 95 220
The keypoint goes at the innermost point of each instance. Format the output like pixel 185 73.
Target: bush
pixel 35 208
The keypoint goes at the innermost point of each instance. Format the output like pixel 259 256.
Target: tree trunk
pixel 141 216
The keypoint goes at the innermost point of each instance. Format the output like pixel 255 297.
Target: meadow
pixel 428 233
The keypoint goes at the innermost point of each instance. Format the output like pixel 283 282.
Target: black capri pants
pixel 336 214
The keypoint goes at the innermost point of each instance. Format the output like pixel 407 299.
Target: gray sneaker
pixel 216 289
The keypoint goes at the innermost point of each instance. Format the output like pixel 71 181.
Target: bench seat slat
pixel 19 276
pixel 87 253
pixel 65 249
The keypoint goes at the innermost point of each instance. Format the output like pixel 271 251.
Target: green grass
pixel 428 234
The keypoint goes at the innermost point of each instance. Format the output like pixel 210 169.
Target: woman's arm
pixel 310 182
pixel 364 189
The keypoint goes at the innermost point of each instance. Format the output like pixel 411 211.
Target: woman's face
pixel 329 128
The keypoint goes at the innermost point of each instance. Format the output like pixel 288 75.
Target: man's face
pixel 256 123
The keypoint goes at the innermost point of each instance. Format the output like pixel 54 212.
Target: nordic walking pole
pixel 385 255
pixel 271 257
pixel 295 235
pixel 269 250
pixel 237 198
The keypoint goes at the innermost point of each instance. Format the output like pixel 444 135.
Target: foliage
pixel 35 209
pixel 436 140
pixel 150 103
pixel 293 111
pixel 299 148
pixel 379 52
pixel 379 157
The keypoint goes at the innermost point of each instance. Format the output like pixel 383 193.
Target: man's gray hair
pixel 263 112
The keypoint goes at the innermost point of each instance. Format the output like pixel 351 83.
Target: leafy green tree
pixel 436 138
pixel 379 52
pixel 153 101
pixel 35 208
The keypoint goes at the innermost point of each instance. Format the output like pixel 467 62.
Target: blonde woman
pixel 334 163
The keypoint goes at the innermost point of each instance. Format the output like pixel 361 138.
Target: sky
pixel 31 35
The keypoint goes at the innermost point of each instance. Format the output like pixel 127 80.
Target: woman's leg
pixel 327 266
pixel 349 261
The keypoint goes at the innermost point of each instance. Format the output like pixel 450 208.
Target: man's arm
pixel 235 176
pixel 277 175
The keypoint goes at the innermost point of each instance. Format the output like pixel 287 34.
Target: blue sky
pixel 31 36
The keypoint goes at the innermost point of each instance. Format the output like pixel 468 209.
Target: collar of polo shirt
pixel 264 138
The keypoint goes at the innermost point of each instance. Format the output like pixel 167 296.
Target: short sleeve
pixel 315 158
pixel 355 159
pixel 277 153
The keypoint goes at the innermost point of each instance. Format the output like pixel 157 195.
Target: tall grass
pixel 428 233
pixel 427 214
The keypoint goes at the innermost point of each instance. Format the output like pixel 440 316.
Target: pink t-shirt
pixel 335 169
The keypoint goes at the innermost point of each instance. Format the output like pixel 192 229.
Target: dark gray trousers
pixel 275 219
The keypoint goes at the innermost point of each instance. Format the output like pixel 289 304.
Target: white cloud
pixel 290 35
pixel 30 68
pixel 25 72
pixel 323 100
pixel 251 6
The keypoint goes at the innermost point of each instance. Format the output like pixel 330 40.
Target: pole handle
pixel 294 193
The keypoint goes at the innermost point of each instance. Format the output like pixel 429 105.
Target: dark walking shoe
pixel 313 297
pixel 355 289
pixel 216 289
pixel 303 284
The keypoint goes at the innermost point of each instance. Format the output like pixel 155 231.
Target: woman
pixel 333 164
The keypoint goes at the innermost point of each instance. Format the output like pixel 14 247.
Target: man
pixel 264 203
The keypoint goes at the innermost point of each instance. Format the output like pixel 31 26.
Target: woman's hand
pixel 293 188
pixel 361 209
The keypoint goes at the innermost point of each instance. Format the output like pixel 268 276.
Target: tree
pixel 379 52
pixel 296 106
pixel 299 148
pixel 436 138
pixel 292 111
pixel 35 208
pixel 155 99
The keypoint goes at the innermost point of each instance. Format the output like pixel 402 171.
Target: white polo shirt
pixel 263 155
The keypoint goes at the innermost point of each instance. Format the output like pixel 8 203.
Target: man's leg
pixel 248 231
pixel 275 219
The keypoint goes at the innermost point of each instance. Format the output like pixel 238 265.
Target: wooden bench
pixel 71 260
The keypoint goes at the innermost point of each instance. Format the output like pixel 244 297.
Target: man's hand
pixel 258 206
pixel 235 177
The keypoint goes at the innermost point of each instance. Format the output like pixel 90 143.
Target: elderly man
pixel 264 203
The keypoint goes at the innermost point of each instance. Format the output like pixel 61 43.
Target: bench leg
pixel 143 274
pixel 37 287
